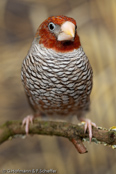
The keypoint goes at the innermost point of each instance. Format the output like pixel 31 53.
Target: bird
pixel 56 73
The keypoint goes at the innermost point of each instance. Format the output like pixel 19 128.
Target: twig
pixel 75 133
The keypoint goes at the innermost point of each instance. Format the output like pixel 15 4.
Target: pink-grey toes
pixel 26 122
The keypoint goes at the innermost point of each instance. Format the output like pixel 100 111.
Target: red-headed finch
pixel 56 73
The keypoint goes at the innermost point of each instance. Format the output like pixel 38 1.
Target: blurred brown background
pixel 96 21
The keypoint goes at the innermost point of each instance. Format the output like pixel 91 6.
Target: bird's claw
pixel 88 125
pixel 26 121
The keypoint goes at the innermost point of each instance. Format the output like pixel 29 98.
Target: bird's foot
pixel 88 125
pixel 26 122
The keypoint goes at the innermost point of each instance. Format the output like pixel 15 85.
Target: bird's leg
pixel 88 125
pixel 29 119
pixel 26 122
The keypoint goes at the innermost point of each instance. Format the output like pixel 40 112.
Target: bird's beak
pixel 67 31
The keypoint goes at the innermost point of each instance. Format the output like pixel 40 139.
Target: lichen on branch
pixel 75 133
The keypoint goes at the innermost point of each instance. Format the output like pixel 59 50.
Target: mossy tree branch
pixel 75 133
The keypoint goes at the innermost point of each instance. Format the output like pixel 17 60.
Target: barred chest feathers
pixel 57 83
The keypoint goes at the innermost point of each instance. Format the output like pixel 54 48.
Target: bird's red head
pixel 59 33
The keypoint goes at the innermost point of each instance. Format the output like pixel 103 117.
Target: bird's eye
pixel 51 26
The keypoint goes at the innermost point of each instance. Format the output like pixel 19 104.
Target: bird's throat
pixel 61 46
